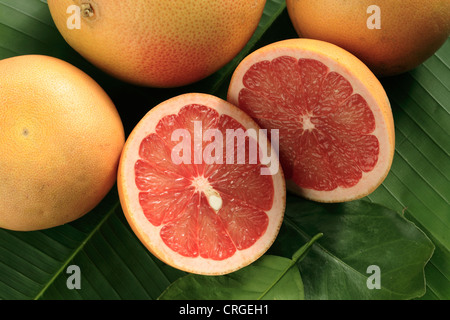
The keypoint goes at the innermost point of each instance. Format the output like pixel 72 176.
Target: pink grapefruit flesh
pixel 201 216
pixel 334 118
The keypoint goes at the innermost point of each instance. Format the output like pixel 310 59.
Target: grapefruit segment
pixel 334 118
pixel 157 179
pixel 199 215
pixel 163 207
pixel 154 150
pixel 230 180
pixel 180 234
pixel 214 240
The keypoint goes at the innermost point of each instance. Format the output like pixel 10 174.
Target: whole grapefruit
pixel 390 37
pixel 158 43
pixel 60 142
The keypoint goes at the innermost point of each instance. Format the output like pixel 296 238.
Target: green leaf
pixel 113 263
pixel 269 278
pixel 357 235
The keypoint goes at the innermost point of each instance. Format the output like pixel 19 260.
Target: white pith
pixel 306 122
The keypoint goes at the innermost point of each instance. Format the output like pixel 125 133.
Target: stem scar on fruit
pixel 86 10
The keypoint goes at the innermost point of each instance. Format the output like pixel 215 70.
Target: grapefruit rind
pixel 363 82
pixel 149 234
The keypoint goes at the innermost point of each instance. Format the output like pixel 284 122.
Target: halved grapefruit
pixel 334 118
pixel 190 205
